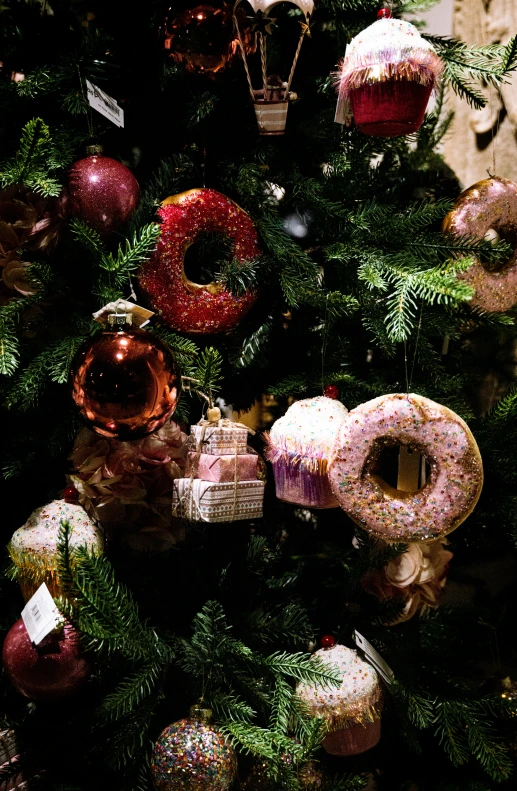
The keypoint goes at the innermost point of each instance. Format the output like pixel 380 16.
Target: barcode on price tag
pixel 40 615
pixel 104 104
pixel 374 658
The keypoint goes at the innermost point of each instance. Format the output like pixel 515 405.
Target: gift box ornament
pixel 220 439
pixel 34 546
pixel 386 78
pixel 222 469
pixel 352 711
pixel 206 501
pixel 299 447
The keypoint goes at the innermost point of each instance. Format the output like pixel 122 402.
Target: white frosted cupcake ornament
pixel 299 447
pixel 33 547
pixel 352 711
pixel 386 78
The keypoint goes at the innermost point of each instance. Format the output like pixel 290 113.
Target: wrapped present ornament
pixel 352 711
pixel 33 547
pixel 386 78
pixel 299 446
pixel 271 100
pixel 223 469
pixel 205 501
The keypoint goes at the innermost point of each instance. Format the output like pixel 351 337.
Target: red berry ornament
pixel 70 494
pixel 54 669
pixel 328 641
pixel 101 191
pixel 384 13
pixel 331 391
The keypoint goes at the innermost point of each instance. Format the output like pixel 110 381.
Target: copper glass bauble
pixel 201 36
pixel 125 383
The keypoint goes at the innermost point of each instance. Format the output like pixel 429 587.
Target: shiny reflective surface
pixel 125 383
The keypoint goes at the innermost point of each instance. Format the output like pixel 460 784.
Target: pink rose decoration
pixel 417 578
pixel 127 486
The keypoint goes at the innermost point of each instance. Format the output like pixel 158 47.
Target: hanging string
pixel 241 45
pixel 324 343
pixel 89 114
pixel 416 345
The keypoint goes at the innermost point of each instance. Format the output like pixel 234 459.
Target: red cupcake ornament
pixel 386 78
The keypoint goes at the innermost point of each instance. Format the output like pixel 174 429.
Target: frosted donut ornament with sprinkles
pixel 191 307
pixel 442 437
pixel 487 207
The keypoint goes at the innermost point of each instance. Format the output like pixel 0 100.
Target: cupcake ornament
pixel 33 547
pixel 386 78
pixel 352 711
pixel 299 446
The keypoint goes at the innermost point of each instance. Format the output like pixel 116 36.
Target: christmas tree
pixel 324 267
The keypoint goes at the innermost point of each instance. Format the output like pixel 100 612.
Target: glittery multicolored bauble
pixel 453 485
pixel 299 446
pixel 352 710
pixel 488 209
pixel 192 755
pixel 101 191
pixel 186 306
pixel 125 383
pixel 33 547
pixel 201 36
pixel 386 79
pixel 54 669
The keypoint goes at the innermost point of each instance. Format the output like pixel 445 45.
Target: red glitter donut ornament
pixel 186 306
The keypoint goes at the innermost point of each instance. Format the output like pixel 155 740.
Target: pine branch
pixel 29 165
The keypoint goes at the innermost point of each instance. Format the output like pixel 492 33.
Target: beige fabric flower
pixel 417 578
pixel 127 486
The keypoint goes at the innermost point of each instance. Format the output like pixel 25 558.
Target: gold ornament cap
pixel 95 148
pixel 120 320
pixel 200 713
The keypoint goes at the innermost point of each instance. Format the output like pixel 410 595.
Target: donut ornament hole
pixel 448 491
pixel 399 468
pixel 488 210
pixel 189 220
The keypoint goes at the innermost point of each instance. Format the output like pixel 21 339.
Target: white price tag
pixel 104 104
pixel 40 615
pixel 374 658
pixel 141 316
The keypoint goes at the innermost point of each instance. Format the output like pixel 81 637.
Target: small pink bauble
pixel 101 191
pixel 52 670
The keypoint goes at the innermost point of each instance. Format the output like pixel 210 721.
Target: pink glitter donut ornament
pixel 442 437
pixel 186 306
pixel 489 205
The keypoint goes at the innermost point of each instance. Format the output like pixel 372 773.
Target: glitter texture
pixel 299 446
pixel 356 700
pixel 491 204
pixel 453 486
pixel 103 192
pixel 389 49
pixel 192 756
pixel 186 306
pixel 52 670
pixel 33 547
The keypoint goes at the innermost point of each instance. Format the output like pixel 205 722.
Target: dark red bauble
pixel 125 383
pixel 390 108
pixel 70 494
pixel 54 669
pixel 101 191
pixel 328 641
pixel 331 391
pixel 202 36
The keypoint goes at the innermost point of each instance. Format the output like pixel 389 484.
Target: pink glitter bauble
pixel 186 306
pixel 102 192
pixel 54 669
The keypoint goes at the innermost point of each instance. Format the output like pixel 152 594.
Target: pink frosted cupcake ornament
pixel 352 711
pixel 299 447
pixel 386 78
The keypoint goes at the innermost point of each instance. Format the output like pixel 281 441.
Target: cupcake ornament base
pixel 391 108
pixel 354 740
